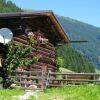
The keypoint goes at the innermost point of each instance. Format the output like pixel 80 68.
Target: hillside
pixel 73 60
pixel 81 31
pixel 82 66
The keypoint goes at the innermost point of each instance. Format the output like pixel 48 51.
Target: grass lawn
pixel 70 93
pixel 65 93
pixel 8 94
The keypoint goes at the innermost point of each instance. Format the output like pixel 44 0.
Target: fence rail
pixel 63 73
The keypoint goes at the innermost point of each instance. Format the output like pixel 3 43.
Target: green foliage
pixel 31 40
pixel 17 56
pixel 60 63
pixel 8 6
pixel 73 60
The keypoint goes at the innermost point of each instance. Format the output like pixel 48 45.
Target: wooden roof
pixel 48 22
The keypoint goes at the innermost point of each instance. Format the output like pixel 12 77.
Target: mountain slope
pixel 81 31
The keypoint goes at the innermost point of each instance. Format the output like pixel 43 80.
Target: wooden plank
pixel 56 73
pixel 45 49
pixel 56 85
pixel 21 40
pixel 50 44
pixel 46 53
pixel 28 83
pixel 51 66
pixel 47 60
pixel 52 69
pixel 51 48
pixel 35 69
pixel 37 66
pixel 22 36
pixel 28 72
pixel 48 47
pixel 76 80
pixel 28 88
pixel 30 77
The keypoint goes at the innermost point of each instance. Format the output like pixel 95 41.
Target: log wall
pixel 45 51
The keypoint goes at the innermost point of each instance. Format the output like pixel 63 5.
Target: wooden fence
pixel 30 80
pixel 64 79
pixel 41 80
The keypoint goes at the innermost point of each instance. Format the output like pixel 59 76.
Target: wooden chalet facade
pixel 44 26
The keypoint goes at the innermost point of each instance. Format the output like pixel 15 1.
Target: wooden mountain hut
pixel 44 27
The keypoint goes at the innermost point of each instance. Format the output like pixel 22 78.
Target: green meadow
pixel 64 93
pixel 7 94
pixel 70 93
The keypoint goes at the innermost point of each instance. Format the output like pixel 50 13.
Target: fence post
pixel 44 75
pixel 48 77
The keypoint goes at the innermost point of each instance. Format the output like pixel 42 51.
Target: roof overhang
pixel 56 25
